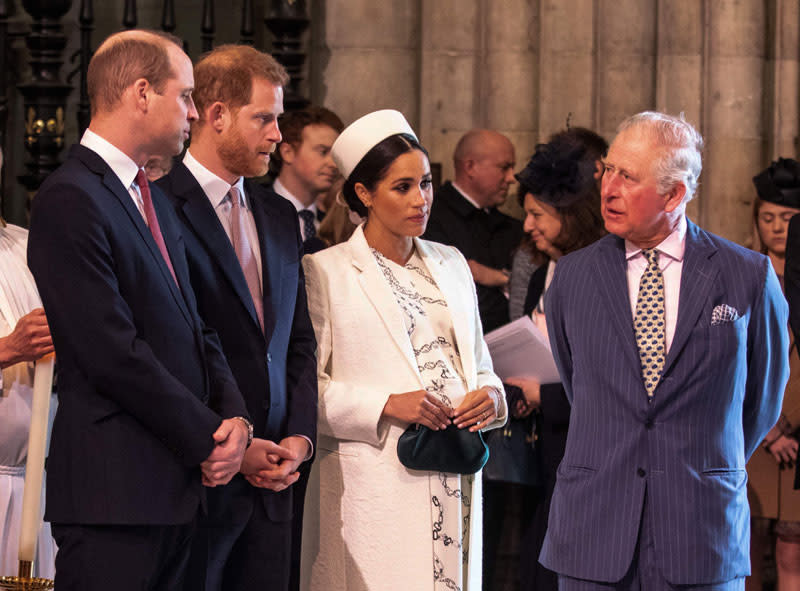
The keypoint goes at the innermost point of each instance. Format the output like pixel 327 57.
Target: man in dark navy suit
pixel 243 246
pixel 148 409
pixel 671 344
pixel 304 170
pixel 304 167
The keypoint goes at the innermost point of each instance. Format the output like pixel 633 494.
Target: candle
pixel 34 468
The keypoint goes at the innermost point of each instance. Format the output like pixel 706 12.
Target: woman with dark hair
pixel 399 343
pixel 562 205
pixel 774 503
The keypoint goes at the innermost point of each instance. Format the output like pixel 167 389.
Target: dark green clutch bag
pixel 453 450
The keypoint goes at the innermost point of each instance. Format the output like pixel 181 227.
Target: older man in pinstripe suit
pixel 671 346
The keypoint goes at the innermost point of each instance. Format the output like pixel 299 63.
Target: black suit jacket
pixel 142 383
pixel 791 287
pixel 488 238
pixel 554 407
pixel 275 369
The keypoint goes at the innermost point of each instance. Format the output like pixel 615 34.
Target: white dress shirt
pixel 217 190
pixel 281 190
pixel 670 261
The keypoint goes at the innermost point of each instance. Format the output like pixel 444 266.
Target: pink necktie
pixel 241 245
pixel 152 220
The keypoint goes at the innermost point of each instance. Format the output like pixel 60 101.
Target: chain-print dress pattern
pixel 430 331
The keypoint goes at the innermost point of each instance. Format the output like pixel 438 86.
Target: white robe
pixel 18 296
pixel 367 522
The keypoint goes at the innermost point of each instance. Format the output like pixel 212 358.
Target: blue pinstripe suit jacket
pixel 720 392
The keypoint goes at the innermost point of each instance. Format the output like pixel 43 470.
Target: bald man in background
pixel 465 215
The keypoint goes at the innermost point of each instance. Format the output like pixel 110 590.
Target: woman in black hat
pixel 774 504
pixel 562 204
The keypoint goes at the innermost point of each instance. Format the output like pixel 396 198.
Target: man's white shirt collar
pixel 214 187
pixel 118 161
pixel 281 190
pixel 674 245
pixel 468 198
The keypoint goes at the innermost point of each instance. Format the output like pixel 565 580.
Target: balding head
pixel 484 166
pixel 124 58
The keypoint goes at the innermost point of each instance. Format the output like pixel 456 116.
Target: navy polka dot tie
pixel 309 229
pixel 648 324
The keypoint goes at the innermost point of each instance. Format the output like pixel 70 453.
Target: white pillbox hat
pixel 364 134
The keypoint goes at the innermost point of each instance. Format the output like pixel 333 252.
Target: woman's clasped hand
pixel 476 411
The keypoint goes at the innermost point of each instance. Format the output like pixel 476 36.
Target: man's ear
pixel 139 90
pixel 674 197
pixel 469 167
pixel 218 116
pixel 287 152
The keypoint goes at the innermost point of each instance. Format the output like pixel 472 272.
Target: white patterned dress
pixel 430 330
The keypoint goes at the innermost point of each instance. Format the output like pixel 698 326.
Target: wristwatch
pixel 249 426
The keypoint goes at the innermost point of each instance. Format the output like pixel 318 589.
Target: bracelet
pixel 249 426
pixel 495 394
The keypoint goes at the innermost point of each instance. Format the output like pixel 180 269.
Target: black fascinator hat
pixel 559 173
pixel 780 183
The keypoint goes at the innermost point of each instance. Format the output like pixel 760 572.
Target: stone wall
pixel 525 66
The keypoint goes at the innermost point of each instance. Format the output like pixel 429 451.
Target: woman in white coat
pixel 399 343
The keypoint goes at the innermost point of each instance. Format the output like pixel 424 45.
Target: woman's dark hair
pixel 581 223
pixel 374 165
pixel 561 174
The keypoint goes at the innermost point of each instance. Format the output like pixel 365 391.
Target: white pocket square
pixel 723 313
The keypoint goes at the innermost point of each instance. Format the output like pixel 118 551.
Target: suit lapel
pixel 611 275
pixel 379 293
pixel 208 230
pixel 110 180
pixel 269 232
pixel 697 278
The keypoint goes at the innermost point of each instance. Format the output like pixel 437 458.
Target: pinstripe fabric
pixel 721 391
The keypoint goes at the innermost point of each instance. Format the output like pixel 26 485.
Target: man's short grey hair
pixel 682 143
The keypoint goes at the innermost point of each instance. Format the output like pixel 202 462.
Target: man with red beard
pixel 243 245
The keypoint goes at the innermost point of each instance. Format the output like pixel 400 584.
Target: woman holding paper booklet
pixel 399 343
pixel 561 199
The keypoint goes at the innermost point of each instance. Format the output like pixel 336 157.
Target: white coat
pixel 367 518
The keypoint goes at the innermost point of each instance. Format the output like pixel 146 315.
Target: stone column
pixel 373 57
pixel 512 75
pixel 783 102
pixel 679 70
pixel 451 74
pixel 566 65
pixel 734 116
pixel 626 65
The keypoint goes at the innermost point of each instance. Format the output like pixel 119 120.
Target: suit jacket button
pixel 648 424
pixel 640 472
pixel 269 357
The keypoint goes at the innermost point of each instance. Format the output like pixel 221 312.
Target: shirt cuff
pixel 310 447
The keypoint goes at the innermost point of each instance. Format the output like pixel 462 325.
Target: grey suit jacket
pixel 720 392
